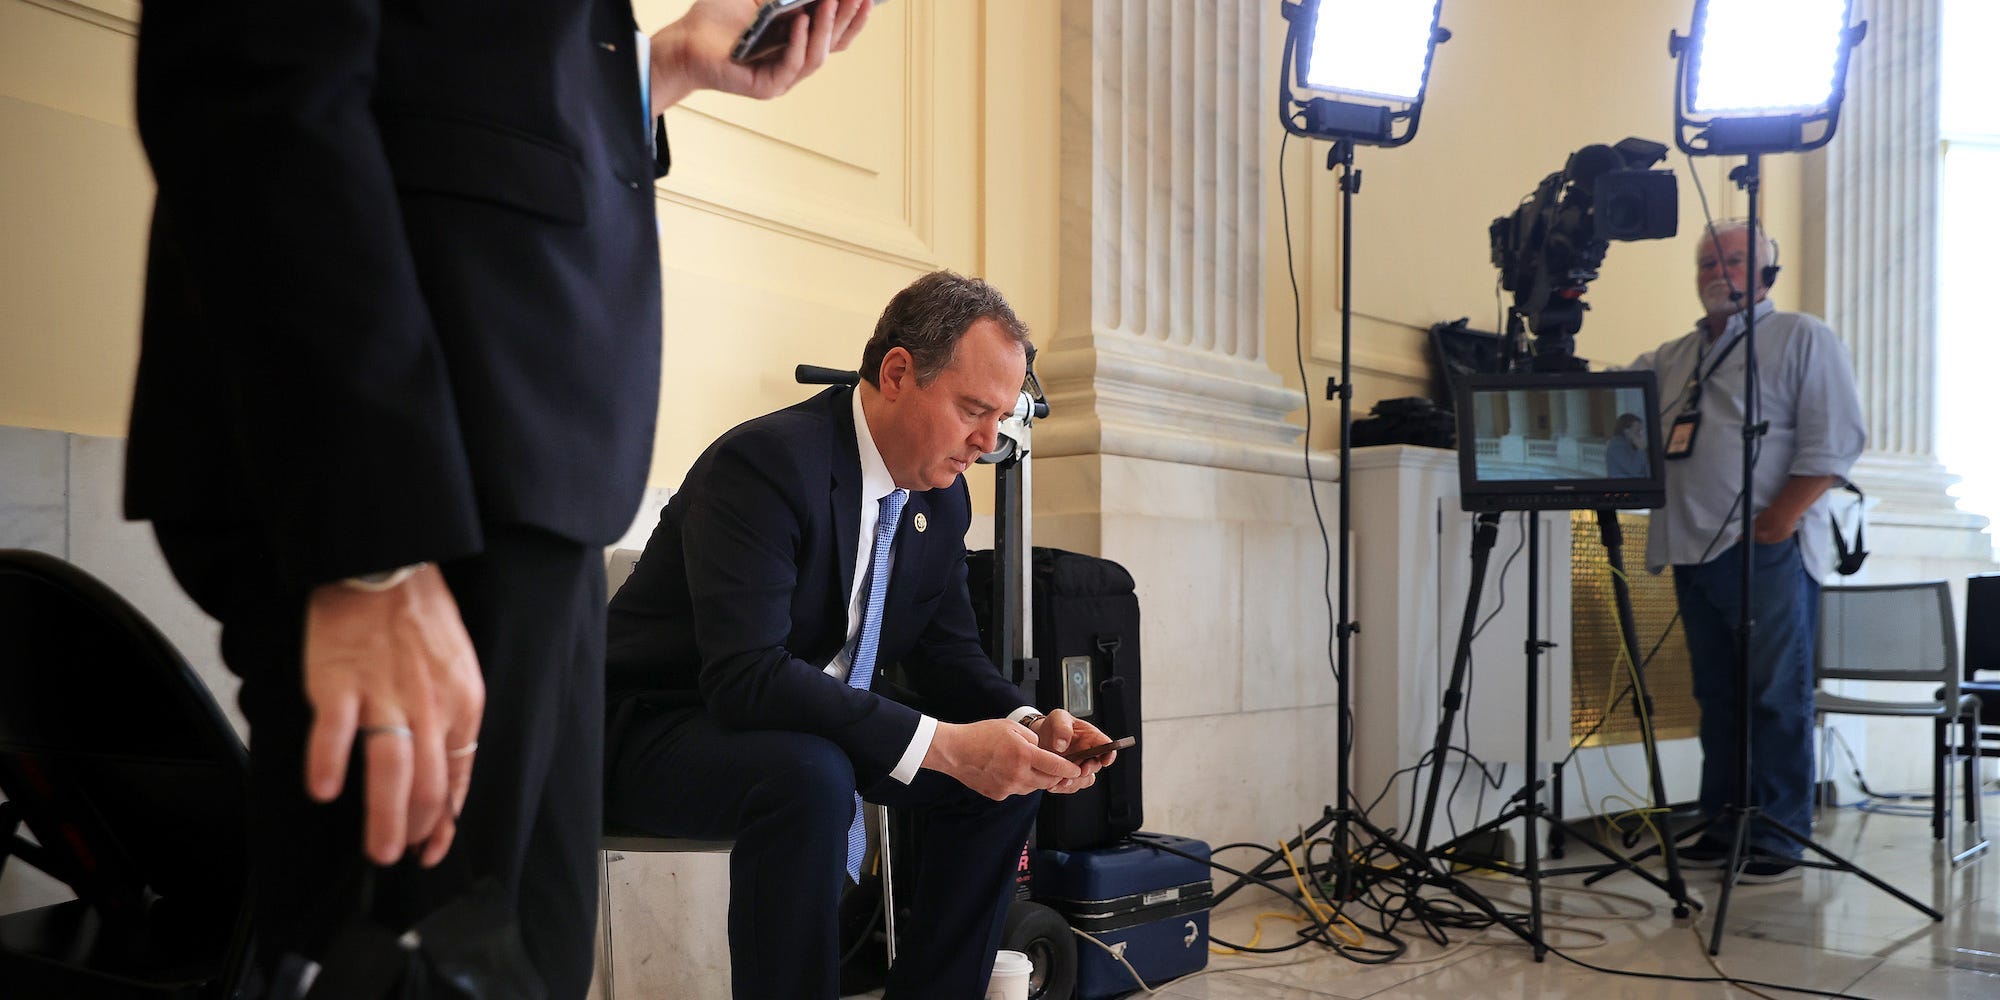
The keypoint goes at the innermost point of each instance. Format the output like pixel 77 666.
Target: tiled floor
pixel 1826 931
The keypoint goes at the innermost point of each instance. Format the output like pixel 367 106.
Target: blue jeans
pixel 1784 603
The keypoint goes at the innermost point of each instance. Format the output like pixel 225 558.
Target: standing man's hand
pixel 996 758
pixel 693 53
pixel 395 672
pixel 1772 526
pixel 1060 732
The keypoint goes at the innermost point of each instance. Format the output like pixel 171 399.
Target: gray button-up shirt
pixel 1808 398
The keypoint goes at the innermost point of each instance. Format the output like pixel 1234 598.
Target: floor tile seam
pixel 1264 982
pixel 1466 953
pixel 1849 988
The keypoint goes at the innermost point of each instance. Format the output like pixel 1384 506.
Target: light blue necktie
pixel 861 671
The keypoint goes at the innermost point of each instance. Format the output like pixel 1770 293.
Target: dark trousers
pixel 786 799
pixel 1784 602
pixel 533 604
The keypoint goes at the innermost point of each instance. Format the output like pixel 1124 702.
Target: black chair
pixel 117 761
pixel 1982 659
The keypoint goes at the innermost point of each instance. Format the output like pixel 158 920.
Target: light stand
pixel 1786 128
pixel 1348 63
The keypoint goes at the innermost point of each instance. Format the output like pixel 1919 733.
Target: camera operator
pixel 1807 396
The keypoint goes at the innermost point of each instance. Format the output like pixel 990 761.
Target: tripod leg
pixel 1842 864
pixel 1482 548
pixel 1613 536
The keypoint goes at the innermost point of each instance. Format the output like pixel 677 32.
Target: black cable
pixel 1726 980
pixel 1305 387
pixel 1465 718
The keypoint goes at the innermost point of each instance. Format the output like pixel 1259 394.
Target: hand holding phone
pixel 770 32
pixel 1100 750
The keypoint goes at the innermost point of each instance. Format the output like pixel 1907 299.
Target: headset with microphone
pixel 1768 273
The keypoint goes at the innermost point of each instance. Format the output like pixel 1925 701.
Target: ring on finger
pixel 398 731
pixel 462 752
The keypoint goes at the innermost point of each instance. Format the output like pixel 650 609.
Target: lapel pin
pixel 921 521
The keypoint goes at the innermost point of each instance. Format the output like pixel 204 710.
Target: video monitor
pixel 1560 441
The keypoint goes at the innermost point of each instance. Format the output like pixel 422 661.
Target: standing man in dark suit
pixel 808 548
pixel 397 388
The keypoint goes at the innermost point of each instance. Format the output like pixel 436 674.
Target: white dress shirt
pixel 876 483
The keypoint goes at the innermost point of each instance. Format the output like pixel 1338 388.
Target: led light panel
pixel 1767 56
pixel 1372 48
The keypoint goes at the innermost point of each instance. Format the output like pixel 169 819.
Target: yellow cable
pixel 1324 913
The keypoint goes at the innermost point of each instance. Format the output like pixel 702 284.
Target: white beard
pixel 1715 298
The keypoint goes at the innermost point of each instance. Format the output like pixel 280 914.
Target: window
pixel 1969 256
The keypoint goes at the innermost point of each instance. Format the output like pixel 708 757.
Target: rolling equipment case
pixel 1149 906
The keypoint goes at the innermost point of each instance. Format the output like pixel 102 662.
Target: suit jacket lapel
pixel 844 497
pixel 909 549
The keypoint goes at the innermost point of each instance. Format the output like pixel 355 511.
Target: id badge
pixel 1680 438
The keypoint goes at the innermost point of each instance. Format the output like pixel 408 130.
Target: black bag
pixel 1407 420
pixel 1086 624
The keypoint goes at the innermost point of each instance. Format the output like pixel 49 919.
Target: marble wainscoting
pixel 1238 697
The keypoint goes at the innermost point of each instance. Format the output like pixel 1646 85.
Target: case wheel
pixel 1043 935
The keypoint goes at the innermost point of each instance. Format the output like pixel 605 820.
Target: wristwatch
pixel 1031 718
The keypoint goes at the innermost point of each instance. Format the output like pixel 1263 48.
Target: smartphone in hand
pixel 1100 750
pixel 770 32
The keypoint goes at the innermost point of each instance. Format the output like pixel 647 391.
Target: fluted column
pixel 1883 172
pixel 1159 347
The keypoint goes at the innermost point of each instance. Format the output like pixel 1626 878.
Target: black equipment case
pixel 1086 625
pixel 1149 905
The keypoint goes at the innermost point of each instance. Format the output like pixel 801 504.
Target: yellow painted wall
pixel 931 143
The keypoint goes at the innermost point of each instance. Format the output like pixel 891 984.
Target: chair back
pixel 1889 632
pixel 111 749
pixel 1982 626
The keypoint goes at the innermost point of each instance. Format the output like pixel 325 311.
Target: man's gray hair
pixel 1767 251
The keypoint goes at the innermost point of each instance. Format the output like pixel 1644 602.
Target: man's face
pixel 935 432
pixel 1716 272
pixel 1635 434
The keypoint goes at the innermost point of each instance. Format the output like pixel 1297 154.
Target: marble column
pixel 1882 186
pixel 1167 449
pixel 1159 347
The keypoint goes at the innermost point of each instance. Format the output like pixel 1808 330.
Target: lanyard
pixel 1697 377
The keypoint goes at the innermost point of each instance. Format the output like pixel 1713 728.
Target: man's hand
pixel 693 53
pixel 1772 526
pixel 996 758
pixel 395 670
pixel 1780 519
pixel 1060 731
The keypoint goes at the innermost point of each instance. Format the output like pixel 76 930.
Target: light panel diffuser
pixel 1767 56
pixel 1371 48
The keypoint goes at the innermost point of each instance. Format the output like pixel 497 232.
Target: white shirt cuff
pixel 1023 712
pixel 920 744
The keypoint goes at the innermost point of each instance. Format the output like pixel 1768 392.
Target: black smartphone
pixel 770 32
pixel 1092 753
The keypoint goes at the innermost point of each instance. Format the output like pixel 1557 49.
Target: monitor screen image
pixel 1559 441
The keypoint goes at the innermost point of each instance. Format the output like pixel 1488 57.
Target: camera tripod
pixel 1527 804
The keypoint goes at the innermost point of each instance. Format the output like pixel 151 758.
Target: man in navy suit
pixel 806 548
pixel 397 388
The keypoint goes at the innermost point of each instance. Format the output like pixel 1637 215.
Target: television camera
pixel 1549 248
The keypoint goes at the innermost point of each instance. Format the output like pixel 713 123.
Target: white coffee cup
pixel 1010 976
